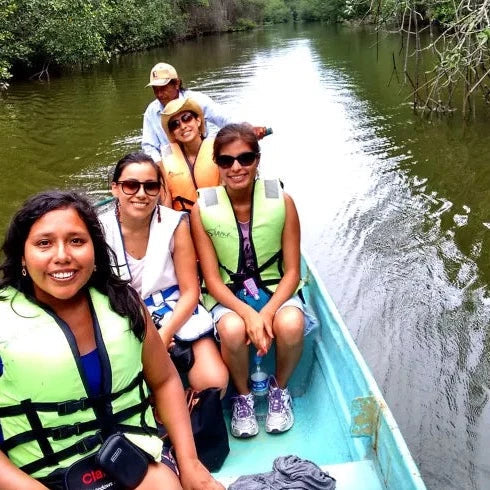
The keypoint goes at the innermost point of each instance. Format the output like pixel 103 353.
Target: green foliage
pixel 356 9
pixel 326 10
pixel 138 24
pixel 483 37
pixel 7 50
pixel 460 48
pixel 62 32
pixel 244 24
pixel 37 34
pixel 442 11
pixel 276 12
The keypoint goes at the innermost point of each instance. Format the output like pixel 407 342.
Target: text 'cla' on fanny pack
pixel 85 474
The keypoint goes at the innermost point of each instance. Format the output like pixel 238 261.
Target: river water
pixel 395 209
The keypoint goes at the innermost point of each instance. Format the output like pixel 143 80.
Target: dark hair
pixel 234 132
pixel 136 157
pixel 123 299
pixel 181 86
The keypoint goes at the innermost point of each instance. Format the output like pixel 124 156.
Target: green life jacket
pixel 267 217
pixel 47 417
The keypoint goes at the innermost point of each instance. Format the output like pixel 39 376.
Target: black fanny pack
pixel 123 460
pixel 87 474
pixel 118 465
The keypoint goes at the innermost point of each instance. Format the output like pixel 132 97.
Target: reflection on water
pixel 395 210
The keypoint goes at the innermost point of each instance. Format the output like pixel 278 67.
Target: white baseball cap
pixel 161 74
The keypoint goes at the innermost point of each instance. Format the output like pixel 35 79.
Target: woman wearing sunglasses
pixel 247 236
pixel 78 357
pixel 188 160
pixel 155 253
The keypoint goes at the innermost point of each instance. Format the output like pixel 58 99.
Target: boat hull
pixel 342 422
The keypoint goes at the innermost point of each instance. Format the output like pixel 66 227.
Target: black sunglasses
pixel 131 187
pixel 244 159
pixel 185 118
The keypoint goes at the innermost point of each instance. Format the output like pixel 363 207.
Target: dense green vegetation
pixel 39 37
pixel 457 34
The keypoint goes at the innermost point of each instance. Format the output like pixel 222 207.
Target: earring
pixel 159 217
pixel 118 211
pixel 95 268
pixel 23 271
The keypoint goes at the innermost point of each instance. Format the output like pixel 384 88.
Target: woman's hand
pixel 167 338
pixel 259 330
pixel 194 476
pixel 260 131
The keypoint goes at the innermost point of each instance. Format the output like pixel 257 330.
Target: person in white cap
pixel 167 86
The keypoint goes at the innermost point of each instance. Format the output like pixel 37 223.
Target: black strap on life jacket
pixel 186 204
pixel 71 406
pixel 41 434
pixel 237 278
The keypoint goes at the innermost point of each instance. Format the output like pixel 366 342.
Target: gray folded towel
pixel 294 472
pixel 289 472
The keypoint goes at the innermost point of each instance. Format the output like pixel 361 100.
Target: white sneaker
pixel 243 421
pixel 280 416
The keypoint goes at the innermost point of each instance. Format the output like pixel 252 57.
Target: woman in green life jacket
pixel 247 237
pixel 79 353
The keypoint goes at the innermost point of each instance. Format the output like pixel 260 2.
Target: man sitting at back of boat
pixel 167 86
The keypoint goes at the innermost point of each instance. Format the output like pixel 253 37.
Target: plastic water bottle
pixel 260 388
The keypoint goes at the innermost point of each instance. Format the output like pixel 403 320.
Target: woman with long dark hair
pixel 155 253
pixel 79 354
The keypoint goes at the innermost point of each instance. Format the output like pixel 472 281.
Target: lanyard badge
pixel 251 288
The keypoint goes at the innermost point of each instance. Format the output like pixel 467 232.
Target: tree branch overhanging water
pixel 461 50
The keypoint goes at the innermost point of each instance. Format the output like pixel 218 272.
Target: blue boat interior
pixel 319 434
pixel 341 421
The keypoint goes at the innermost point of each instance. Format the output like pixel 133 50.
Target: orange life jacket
pixel 182 179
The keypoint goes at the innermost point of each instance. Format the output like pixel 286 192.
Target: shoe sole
pixel 244 435
pixel 279 431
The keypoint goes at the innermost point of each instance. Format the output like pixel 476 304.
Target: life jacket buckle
pixel 72 406
pixel 238 277
pixel 89 443
pixel 65 431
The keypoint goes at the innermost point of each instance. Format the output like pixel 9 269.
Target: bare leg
pixel 288 331
pixel 209 370
pixel 160 477
pixel 231 329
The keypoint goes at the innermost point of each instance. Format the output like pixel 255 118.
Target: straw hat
pixel 177 106
pixel 161 74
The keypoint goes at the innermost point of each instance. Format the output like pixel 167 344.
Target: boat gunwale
pixel 393 458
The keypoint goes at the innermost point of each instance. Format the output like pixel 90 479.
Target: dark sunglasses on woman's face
pixel 175 123
pixel 244 159
pixel 131 187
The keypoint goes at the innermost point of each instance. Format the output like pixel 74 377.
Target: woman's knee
pixel 231 329
pixel 288 325
pixel 160 476
pixel 208 370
